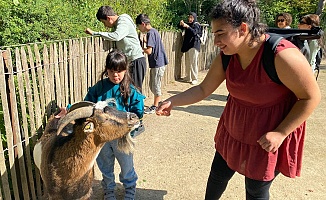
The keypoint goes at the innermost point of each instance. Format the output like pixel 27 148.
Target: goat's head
pixel 106 123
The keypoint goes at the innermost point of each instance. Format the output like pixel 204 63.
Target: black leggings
pixel 221 174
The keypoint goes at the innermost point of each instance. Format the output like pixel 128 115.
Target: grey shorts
pixel 155 80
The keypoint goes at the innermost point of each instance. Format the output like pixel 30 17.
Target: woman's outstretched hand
pixel 164 108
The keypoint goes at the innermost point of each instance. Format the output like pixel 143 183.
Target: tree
pixel 297 8
pixel 28 21
pixel 320 7
pixel 194 5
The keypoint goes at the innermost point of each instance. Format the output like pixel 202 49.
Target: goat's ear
pixel 89 127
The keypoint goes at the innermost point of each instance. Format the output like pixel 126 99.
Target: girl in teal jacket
pixel 117 85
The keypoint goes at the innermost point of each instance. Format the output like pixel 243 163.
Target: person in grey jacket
pixel 125 35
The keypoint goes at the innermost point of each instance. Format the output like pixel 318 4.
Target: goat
pixel 66 152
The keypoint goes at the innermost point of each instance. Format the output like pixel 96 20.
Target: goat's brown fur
pixel 67 159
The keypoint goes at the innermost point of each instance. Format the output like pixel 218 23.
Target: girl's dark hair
pixel 236 12
pixel 116 60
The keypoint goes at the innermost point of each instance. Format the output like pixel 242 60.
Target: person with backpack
pixel 191 46
pixel 284 21
pixel 261 131
pixel 308 22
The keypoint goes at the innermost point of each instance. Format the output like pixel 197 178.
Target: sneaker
pixel 130 193
pixel 150 110
pixel 195 82
pixel 109 195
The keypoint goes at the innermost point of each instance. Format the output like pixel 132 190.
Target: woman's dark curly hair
pixel 236 12
pixel 286 16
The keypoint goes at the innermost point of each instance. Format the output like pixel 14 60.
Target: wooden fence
pixel 36 79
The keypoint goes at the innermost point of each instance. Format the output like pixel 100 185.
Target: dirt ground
pixel 173 156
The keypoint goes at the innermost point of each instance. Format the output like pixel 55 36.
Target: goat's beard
pixel 126 144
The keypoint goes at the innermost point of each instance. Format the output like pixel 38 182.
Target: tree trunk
pixel 188 5
pixel 320 7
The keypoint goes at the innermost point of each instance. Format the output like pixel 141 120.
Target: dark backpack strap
pixel 269 56
pixel 225 61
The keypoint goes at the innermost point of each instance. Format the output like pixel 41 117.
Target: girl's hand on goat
pixel 62 113
pixel 164 108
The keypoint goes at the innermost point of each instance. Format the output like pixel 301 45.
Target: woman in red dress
pixel 262 128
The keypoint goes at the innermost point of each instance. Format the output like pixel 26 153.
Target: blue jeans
pixel 105 162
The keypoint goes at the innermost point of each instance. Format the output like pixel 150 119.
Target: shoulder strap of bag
pixel 267 58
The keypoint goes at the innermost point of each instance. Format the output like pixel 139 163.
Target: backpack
pixel 267 57
pixel 299 37
pixel 296 36
pixel 204 32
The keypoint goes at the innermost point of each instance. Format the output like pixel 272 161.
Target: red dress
pixel 257 105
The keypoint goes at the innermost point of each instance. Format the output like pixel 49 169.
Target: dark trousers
pixel 318 58
pixel 221 174
pixel 138 72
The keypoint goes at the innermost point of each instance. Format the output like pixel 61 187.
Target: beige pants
pixel 191 57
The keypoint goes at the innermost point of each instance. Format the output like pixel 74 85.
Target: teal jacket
pixel 105 89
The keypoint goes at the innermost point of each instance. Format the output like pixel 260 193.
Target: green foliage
pixel 37 21
pixel 2 129
pixel 297 8
pixel 180 11
pixel 32 21
pixel 29 21
pixel 156 10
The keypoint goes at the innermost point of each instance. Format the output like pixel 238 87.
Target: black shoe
pixel 150 110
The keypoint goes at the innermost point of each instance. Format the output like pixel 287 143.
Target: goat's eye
pixel 89 127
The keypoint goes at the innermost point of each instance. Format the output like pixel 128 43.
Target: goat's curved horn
pixel 79 113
